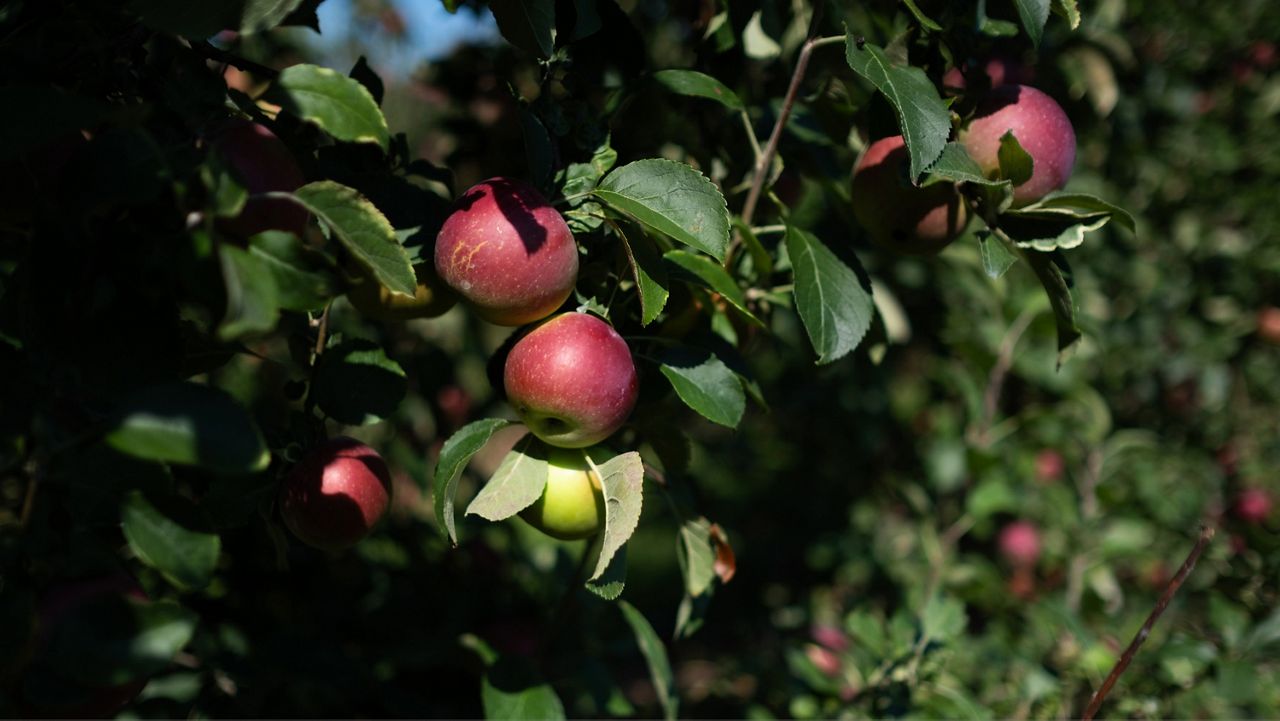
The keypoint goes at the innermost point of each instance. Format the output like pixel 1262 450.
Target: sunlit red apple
pixel 572 380
pixel 897 214
pixel 336 494
pixel 1041 128
pixel 507 252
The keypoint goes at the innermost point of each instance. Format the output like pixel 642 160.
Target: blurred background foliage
pixel 865 505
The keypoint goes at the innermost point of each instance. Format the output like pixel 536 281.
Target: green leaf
pixel 1056 286
pixel 1080 206
pixel 117 640
pixel 655 655
pixel 924 20
pixel 189 424
pixel 695 84
pixel 1069 10
pixel 1048 233
pixel 518 482
pixel 512 690
pixel 1033 14
pixel 943 619
pixel 673 199
pixel 174 541
pixel 195 21
pixel 527 24
pixel 357 384
pixel 454 456
pixel 996 255
pixel 339 105
pixel 650 274
pixel 611 582
pixel 537 148
pixel 701 270
pixel 923 117
pixel 705 384
pixel 1016 164
pixel 259 15
pixel 251 295
pixel 697 556
pixel 833 301
pixel 955 165
pixel 363 230
pixel 303 281
pixel 365 75
pixel 622 480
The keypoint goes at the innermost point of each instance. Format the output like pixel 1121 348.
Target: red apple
pixel 264 164
pixel 336 495
pixel 1042 129
pixel 1019 544
pixel 1049 465
pixel 507 252
pixel 60 604
pixel 1253 505
pixel 572 380
pixel 895 213
pixel 1269 325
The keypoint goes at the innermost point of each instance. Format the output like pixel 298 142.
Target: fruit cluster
pixel 907 218
pixel 511 258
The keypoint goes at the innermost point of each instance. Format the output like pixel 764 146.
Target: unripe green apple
pixel 1042 129
pixel 897 214
pixel 265 165
pixel 572 503
pixel 336 494
pixel 507 252
pixel 572 380
pixel 431 299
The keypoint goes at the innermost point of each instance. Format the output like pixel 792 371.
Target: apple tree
pixel 333 392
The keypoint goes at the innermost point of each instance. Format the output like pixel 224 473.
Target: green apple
pixel 572 503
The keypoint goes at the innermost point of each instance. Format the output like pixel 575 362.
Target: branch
pixel 222 56
pixel 1206 535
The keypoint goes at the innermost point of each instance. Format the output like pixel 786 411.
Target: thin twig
pixel 324 329
pixel 1206 535
pixel 756 152
pixel 995 382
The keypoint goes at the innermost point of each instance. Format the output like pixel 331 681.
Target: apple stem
pixel 1206 535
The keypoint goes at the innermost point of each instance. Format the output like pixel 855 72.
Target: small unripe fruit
pixel 1042 129
pixel 507 252
pixel 336 494
pixel 1019 544
pixel 824 660
pixel 265 165
pixel 571 506
pixel 572 380
pixel 431 299
pixel 898 215
pixel 1253 505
